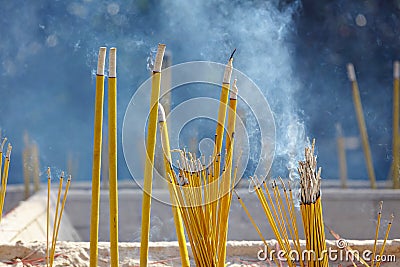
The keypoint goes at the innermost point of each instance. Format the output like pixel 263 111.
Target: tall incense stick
pixel 219 135
pixel 361 124
pixel 48 216
pixel 180 234
pixel 227 183
pixel 1 178
pixel 396 110
pixel 112 150
pixel 4 178
pixel 96 167
pixel 150 150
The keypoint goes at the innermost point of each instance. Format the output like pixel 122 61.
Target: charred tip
pixel 231 57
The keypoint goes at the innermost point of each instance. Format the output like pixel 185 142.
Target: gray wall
pixel 351 213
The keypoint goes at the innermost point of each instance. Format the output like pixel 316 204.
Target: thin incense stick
pixel 150 151
pixel 180 234
pixel 384 241
pixel 48 216
pixel 96 165
pixel 59 217
pixel 53 239
pixel 396 110
pixel 4 179
pixel 112 150
pixel 361 124
pixel 378 223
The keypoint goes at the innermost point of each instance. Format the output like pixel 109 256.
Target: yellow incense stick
pixel 96 165
pixel 53 239
pixel 4 179
pixel 396 110
pixel 1 178
pixel 1 165
pixel 378 223
pixel 254 224
pixel 180 234
pixel 361 124
pixel 226 191
pixel 219 135
pixel 59 217
pixel 150 150
pixel 384 241
pixel 112 150
pixel 48 216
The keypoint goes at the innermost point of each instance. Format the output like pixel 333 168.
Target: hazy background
pixel 296 51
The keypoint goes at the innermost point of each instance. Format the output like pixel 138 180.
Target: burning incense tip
pixel 161 113
pixel 159 58
pixel 351 73
pixel 112 72
pixel 234 90
pixel 396 70
pixel 231 57
pixel 101 61
pixel 228 72
pixel 9 148
pixel 48 173
pixel 62 174
pixel 69 178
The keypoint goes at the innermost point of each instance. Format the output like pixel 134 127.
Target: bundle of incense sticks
pixel 281 215
pixel 51 246
pixel 4 174
pixel 280 211
pixel 311 208
pixel 200 192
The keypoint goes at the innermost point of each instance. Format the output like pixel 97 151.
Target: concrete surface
pixel 27 221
